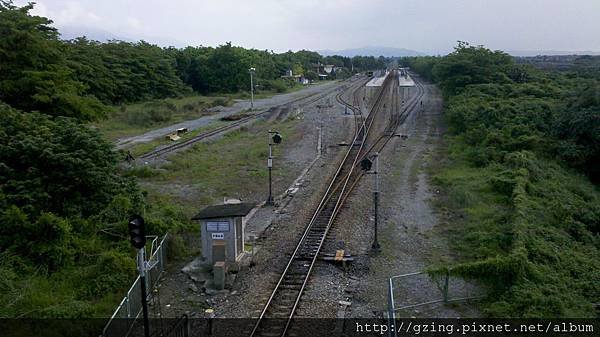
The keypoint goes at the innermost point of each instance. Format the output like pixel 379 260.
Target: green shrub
pixel 526 225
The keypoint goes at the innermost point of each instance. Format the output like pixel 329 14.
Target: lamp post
pixel 366 164
pixel 274 139
pixel 251 71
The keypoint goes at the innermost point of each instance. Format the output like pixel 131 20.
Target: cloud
pixel 134 23
pixel 430 26
pixel 75 14
pixel 69 13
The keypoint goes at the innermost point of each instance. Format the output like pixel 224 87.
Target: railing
pixel 181 328
pixel 129 309
pixel 446 284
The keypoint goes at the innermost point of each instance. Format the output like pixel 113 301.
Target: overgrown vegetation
pixel 522 163
pixel 136 118
pixel 64 212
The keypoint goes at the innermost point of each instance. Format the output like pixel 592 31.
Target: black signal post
pixel 366 165
pixel 137 237
pixel 274 139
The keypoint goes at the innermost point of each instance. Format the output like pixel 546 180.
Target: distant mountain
pixel 526 53
pixel 373 51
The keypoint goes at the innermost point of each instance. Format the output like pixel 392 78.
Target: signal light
pixel 277 138
pixel 137 232
pixel 366 164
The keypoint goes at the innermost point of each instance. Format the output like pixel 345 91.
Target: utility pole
pixel 251 71
pixel 274 139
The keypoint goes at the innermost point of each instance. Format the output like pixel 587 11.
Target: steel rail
pixel 216 131
pixel 310 250
pixel 410 106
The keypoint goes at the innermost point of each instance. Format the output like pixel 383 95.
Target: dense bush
pixel 63 216
pixel 530 229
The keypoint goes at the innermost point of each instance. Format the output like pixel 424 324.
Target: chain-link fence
pixel 129 309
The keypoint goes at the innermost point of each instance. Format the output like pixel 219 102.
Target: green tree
pixel 119 72
pixel 33 70
pixel 471 65
pixel 56 166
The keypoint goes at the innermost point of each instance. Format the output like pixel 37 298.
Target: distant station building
pixel 374 84
pixel 222 229
pixel 325 70
pixel 296 78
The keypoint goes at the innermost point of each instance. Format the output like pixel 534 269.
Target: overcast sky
pixel 431 26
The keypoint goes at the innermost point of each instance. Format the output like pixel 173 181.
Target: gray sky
pixel 431 26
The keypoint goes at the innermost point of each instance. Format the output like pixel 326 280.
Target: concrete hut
pixel 222 229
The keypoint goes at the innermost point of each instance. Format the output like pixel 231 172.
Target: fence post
pixel 391 309
pixel 445 292
pixel 128 306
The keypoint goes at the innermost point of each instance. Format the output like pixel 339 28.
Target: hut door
pixel 239 236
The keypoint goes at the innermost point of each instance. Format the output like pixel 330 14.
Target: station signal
pixel 366 164
pixel 137 232
pixel 277 138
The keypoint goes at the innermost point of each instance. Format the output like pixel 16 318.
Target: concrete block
pixel 219 272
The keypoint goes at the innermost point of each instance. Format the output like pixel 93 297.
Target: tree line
pixel 77 78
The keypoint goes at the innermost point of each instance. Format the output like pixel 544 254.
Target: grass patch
pixel 233 165
pixel 142 148
pixel 132 119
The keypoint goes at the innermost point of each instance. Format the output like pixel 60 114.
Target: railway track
pixel 396 119
pixel 355 105
pixel 281 306
pixel 305 100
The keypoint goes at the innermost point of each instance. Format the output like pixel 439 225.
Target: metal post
pixel 251 89
pixel 391 309
pixel 376 246
pixel 446 281
pixel 270 166
pixel 142 271
pixel 210 315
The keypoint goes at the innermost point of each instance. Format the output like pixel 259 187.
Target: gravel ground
pixel 408 234
pixel 277 228
pixel 240 105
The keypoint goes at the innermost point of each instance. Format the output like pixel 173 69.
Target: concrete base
pixel 220 274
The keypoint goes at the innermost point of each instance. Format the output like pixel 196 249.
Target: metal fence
pixel 419 289
pixel 181 328
pixel 129 309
